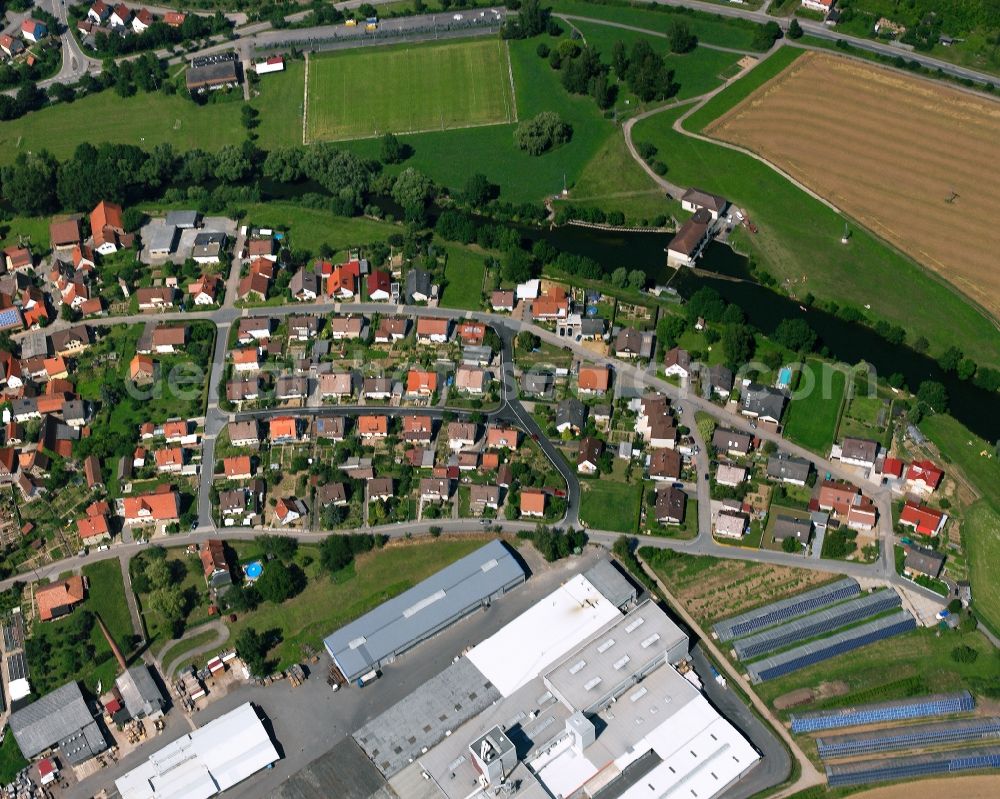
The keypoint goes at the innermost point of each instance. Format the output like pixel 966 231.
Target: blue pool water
pixel 253 570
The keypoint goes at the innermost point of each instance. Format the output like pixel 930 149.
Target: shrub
pixel 542 133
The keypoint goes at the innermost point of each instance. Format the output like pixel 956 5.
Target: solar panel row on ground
pixel 785 609
pixel 816 651
pixel 909 737
pixel 865 771
pixel 823 621
pixel 880 712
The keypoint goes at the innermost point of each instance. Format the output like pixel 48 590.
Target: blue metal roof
pixel 444 597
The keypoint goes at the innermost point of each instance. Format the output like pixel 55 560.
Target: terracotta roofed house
pixel 432 331
pixel 106 227
pixel 152 508
pixel 237 467
pixel 59 598
pixel 533 502
pixel 594 379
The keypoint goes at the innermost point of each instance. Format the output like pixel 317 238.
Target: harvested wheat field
pixel 983 787
pixel 912 160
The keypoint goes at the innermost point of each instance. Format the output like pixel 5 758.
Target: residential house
pixel 339 385
pixel 253 328
pixel 246 390
pixel 18 259
pixel 170 460
pixel 106 227
pixel 289 510
pixel 502 438
pixel 120 17
pixel 670 505
pixel 142 20
pixel 588 455
pixel 482 497
pixel 373 427
pixel 551 306
pixel 677 363
pixel 418 286
pixel 537 384
pixel 161 507
pixel 246 360
pixel 664 464
pixel 729 474
pixel 529 290
pixel 694 200
pixel 923 477
pixel 304 285
pixel 435 489
pixel 923 519
pixel 418 429
pixel 472 333
pixel 169 339
pixel 432 331
pixel 421 383
pixel 12 47
pixel 92 471
pixel 837 496
pixel 763 403
pixel 890 468
pixel 155 298
pixel 93 530
pixel 822 6
pixel 215 564
pixel 59 598
pixel 593 379
pixel 788 469
pixel 461 435
pixel 391 329
pixel 244 434
pixel 283 430
pixel 858 452
pixel 502 301
pixel 796 527
pixel 8 464
pixel 174 19
pixel 379 286
pixel 332 428
pixel 141 369
pixel 731 523
pixel 920 562
pixel 862 515
pixel 732 442
pixel 571 415
pixel 376 388
pixel 655 422
pixel 205 290
pixel 33 30
pixel 381 489
pixel 253 286
pixel 533 503
pixel 630 343
pixel 471 380
pixel 346 328
pixel 719 380
pixel 303 328
pixel 341 281
pixel 262 247
pixel 237 467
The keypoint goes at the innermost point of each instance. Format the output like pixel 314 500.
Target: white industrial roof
pixel 205 762
pixel 546 632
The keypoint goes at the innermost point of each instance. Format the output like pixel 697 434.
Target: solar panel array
pixel 823 621
pixel 898 710
pixel 786 609
pixel 913 736
pixel 900 768
pixel 816 651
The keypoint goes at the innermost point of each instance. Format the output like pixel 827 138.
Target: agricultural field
pixel 713 588
pixel 408 89
pixel 916 170
pixel 981 537
pixel 813 412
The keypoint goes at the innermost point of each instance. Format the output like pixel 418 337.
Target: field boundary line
pixel 510 74
pixel 422 130
pixel 305 102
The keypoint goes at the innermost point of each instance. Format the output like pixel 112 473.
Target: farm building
pixel 442 599
pixel 59 720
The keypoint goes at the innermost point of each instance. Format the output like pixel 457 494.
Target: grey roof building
pixel 923 561
pixel 59 720
pixel 790 527
pixel 162 239
pixel 538 384
pixel 762 402
pixel 35 344
pixel 140 693
pixel 788 469
pixel 570 413
pixel 418 285
pixel 732 441
pixel 609 580
pixel 591 326
pixel 720 378
pixel 427 608
pixel 183 219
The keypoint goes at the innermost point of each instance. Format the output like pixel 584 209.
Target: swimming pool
pixel 253 570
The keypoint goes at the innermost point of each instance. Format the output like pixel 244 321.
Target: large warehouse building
pixel 415 615
pixel 574 697
pixel 206 762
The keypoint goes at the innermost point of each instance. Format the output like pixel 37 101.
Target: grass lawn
pixel 696 72
pixel 11 759
pixel 280 105
pixel 330 602
pixel 464 272
pixel 144 119
pixel 408 89
pixel 799 241
pixel 171 652
pixel 981 537
pixel 308 228
pixel 106 598
pixel 966 450
pixel 708 28
pixel 192 584
pixel 812 418
pixel 35 229
pixel 609 505
pixel 920 653
pixel 450 156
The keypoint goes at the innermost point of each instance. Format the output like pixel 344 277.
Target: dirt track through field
pixel 983 787
pixel 913 160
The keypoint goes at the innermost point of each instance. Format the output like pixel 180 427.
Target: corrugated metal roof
pixel 400 623
pixel 56 718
